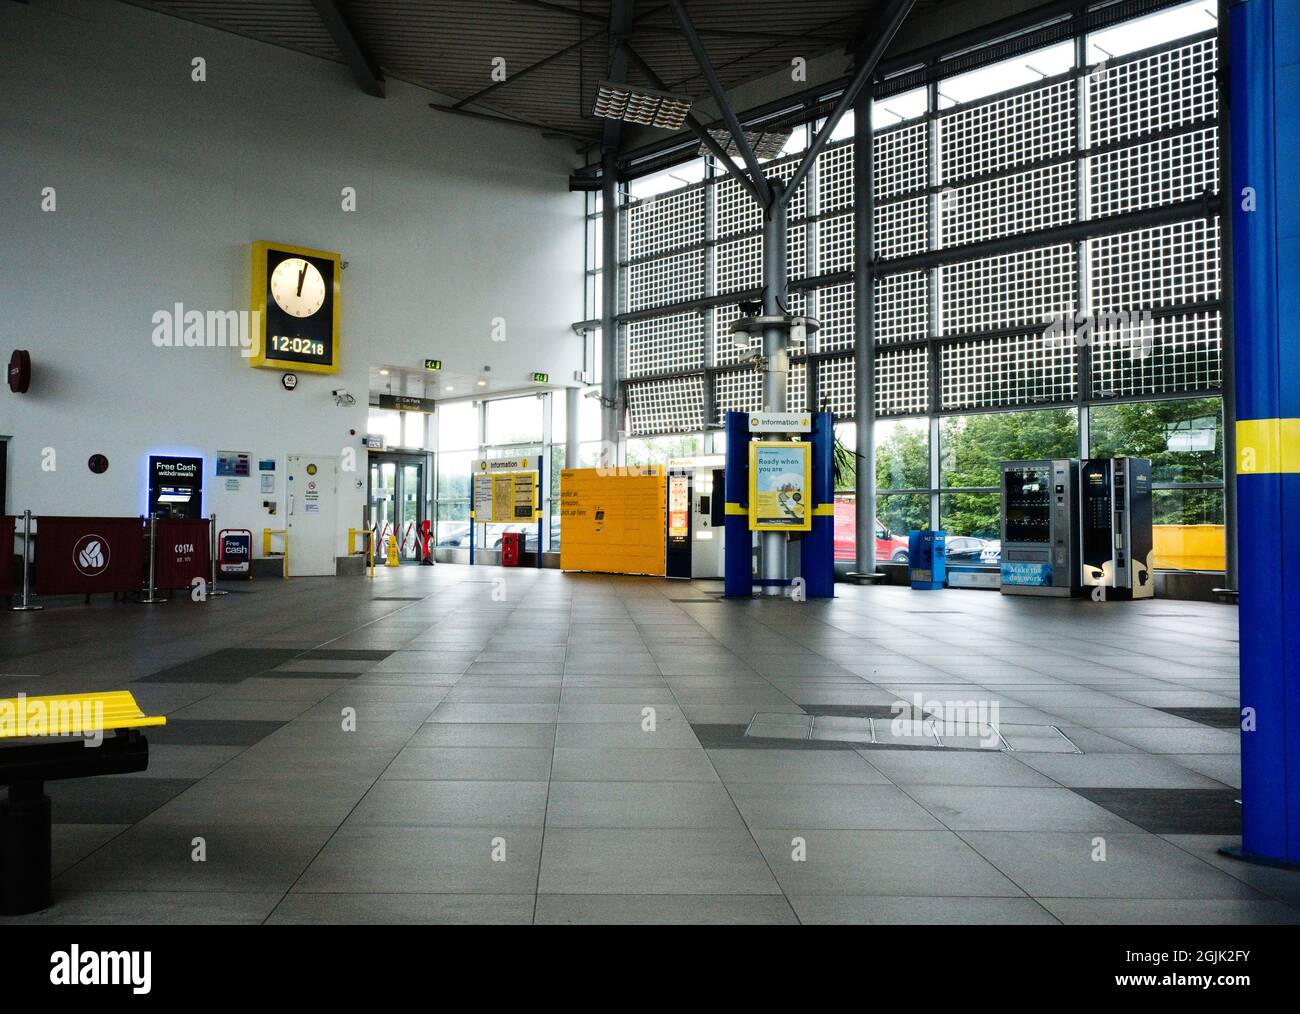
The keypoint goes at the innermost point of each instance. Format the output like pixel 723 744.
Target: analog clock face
pixel 298 287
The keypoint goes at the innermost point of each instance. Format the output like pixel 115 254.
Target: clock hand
pixel 301 276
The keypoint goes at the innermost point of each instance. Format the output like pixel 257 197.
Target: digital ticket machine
pixel 707 512
pixel 1040 539
pixel 1115 527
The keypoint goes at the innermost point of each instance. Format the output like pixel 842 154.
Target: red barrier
pixel 10 575
pixel 77 556
pixel 181 552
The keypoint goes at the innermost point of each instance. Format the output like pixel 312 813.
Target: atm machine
pixel 708 531
pixel 175 487
pixel 1115 527
pixel 1040 539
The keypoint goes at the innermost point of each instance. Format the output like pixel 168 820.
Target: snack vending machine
pixel 1115 527
pixel 1040 540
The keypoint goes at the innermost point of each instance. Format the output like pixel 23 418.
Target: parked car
pixel 964 549
pixel 890 548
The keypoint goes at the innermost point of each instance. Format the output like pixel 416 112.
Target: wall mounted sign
pixel 374 441
pixel 236 463
pixel 20 371
pixel 289 381
pixel 403 403
pixel 780 481
pixel 296 291
pixel 433 364
pixel 541 378
pixel 780 422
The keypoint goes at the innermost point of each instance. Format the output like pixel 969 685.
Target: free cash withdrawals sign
pixel 780 478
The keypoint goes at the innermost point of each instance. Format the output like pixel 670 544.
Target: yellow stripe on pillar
pixel 1268 446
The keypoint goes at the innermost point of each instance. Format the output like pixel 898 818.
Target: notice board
pixel 612 520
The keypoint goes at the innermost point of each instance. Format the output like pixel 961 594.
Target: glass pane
pixel 411 511
pixel 1188 530
pixel 1142 33
pixel 670 179
pixel 1013 73
pixel 452 527
pixel 971 521
pixel 896 515
pixel 413 429
pixel 453 474
pixel 383 493
pixel 658 450
pixel 1183 439
pixel 896 108
pixel 457 426
pixel 903 455
pixel 972 447
pixel 388 423
pixel 514 420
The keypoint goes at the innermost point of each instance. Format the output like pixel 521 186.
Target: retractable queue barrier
pixel 83 556
pixel 182 552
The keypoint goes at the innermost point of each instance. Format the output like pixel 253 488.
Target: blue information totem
pixel 816 547
pixel 927 559
pixel 1265 203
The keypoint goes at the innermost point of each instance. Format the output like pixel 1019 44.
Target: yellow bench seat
pixel 72 714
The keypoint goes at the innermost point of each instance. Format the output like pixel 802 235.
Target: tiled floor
pixel 482 745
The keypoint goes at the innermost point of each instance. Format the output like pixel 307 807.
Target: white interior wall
pixel 161 184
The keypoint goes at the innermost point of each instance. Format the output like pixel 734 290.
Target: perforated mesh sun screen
pixel 671 405
pixel 1007 171
pixel 665 344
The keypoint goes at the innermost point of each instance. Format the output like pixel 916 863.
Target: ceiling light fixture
pixel 641 105
pixel 766 143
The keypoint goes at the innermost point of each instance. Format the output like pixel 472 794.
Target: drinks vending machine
pixel 1115 528
pixel 1040 540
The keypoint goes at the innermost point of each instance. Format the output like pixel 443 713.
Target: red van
pixel 890 548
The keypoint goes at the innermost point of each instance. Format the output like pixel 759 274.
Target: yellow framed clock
pixel 296 293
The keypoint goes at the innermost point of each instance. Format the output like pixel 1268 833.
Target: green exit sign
pixel 433 364
pixel 541 378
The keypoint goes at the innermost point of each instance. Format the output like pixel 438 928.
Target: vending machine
pixel 1040 539
pixel 1115 527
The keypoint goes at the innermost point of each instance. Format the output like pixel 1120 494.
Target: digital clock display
pixel 297 291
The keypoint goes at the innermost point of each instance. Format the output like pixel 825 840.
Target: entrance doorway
pixel 399 499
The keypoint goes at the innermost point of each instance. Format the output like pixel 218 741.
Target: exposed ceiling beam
pixel 364 67
pixel 700 131
pixel 620 27
pixel 530 68
pixel 721 33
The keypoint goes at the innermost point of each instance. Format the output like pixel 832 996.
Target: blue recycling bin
pixel 927 559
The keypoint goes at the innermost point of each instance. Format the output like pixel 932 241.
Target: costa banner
pixel 181 552
pixel 80 556
pixel 10 575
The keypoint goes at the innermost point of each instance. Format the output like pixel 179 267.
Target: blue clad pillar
pixel 1265 203
pixel 738 552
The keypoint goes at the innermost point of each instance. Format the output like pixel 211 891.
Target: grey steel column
pixel 609 420
pixel 776 363
pixel 864 332
pixel 572 429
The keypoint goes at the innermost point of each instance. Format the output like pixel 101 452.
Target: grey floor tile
pixel 302 909
pixel 858 910
pixel 604 861
pixel 152 908
pixel 598 735
pixel 937 767
pixel 1020 808
pixel 494 713
pixel 462 734
pixel 829 807
pixel 425 860
pixel 1116 770
pixel 795 767
pixel 292 799
pixel 663 910
pixel 452 804
pixel 491 764
pixel 622 764
pixel 71 843
pixel 702 805
pixel 1137 865
pixel 906 863
pixel 1197 740
pixel 160 857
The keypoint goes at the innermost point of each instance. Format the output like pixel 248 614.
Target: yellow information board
pixel 612 520
pixel 780 486
pixel 505 492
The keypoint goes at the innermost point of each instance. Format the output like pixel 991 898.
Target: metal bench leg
pixel 25 849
